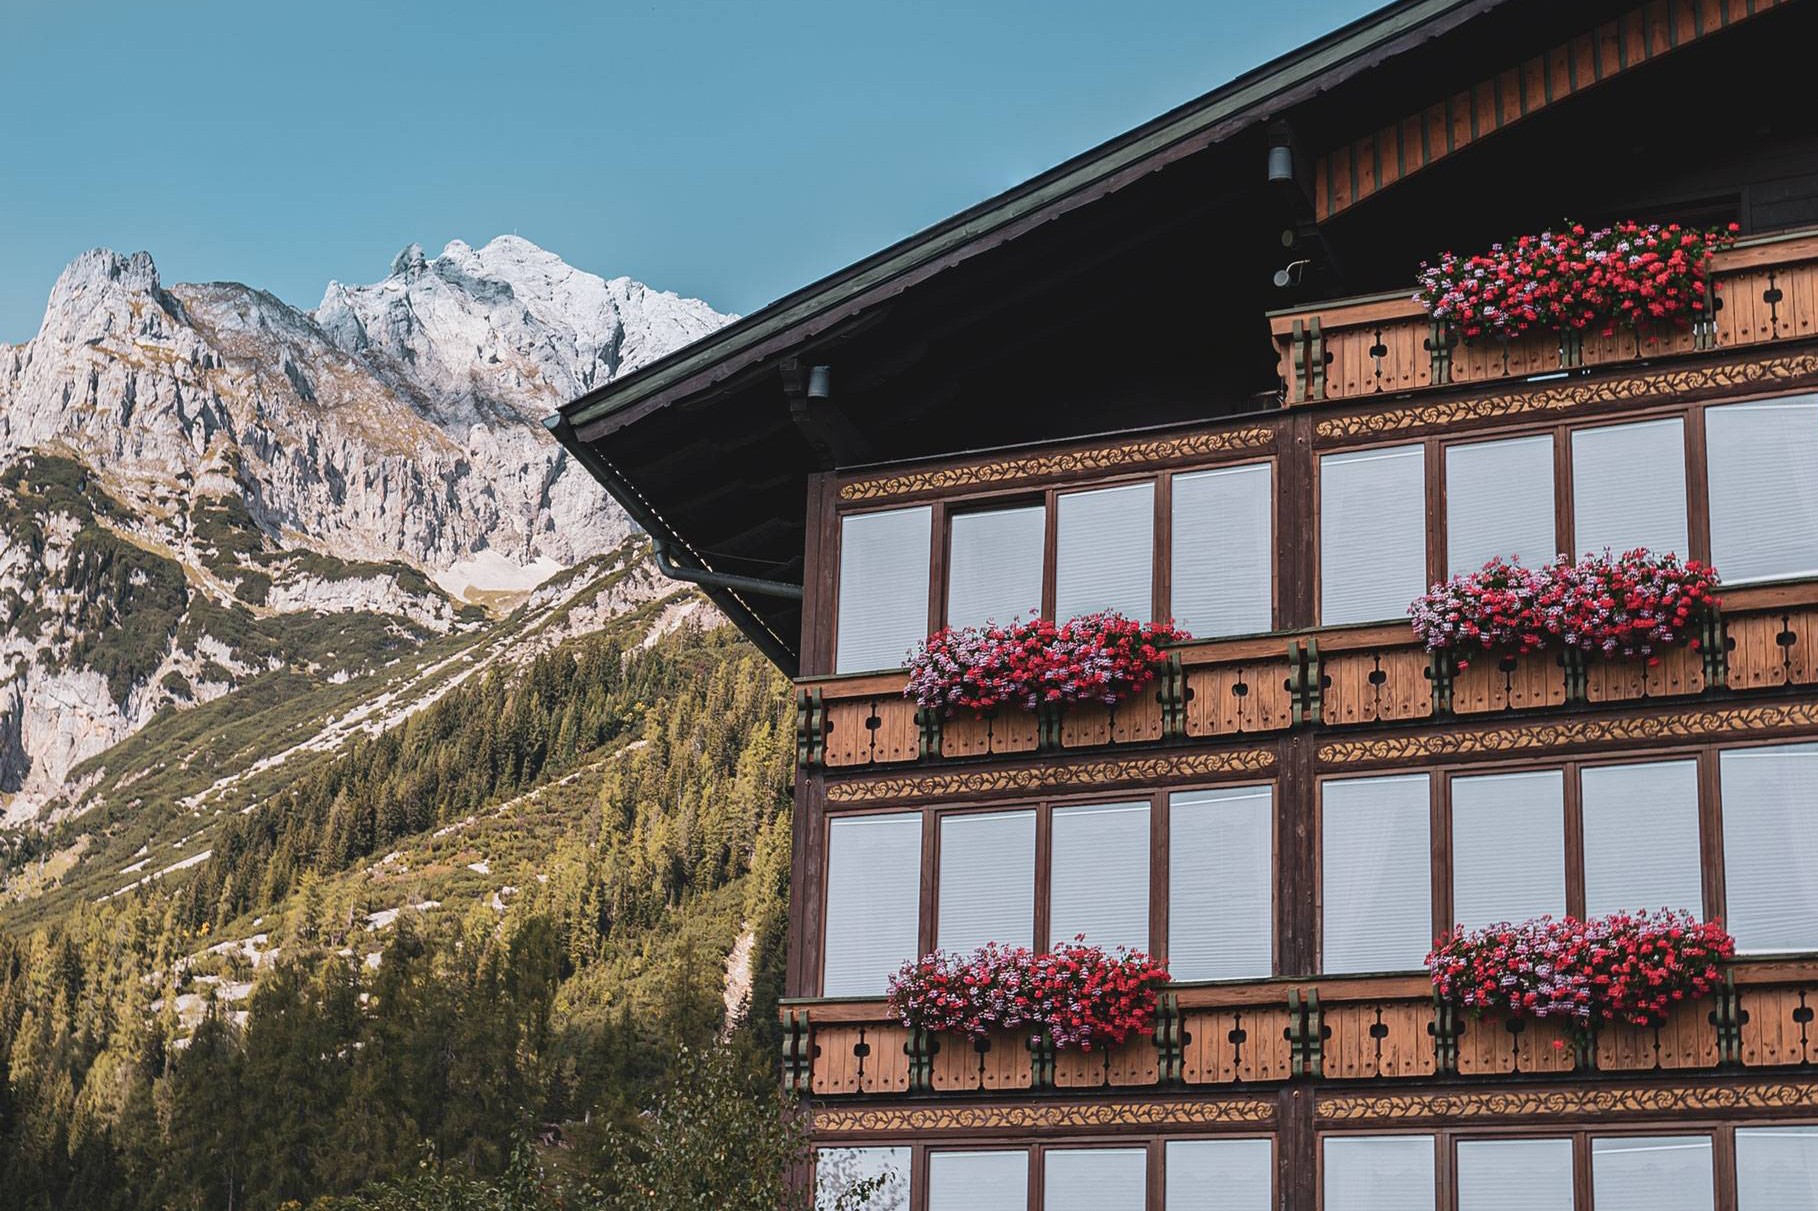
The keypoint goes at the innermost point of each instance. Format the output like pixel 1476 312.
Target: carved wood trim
pixel 1160 768
pixel 916 1120
pixel 1592 1100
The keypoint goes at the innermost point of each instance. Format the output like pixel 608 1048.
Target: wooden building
pixel 1183 375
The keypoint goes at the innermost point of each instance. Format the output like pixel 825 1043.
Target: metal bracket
pixel 1170 1040
pixel 810 728
pixel 920 1048
pixel 1306 1033
pixel 1444 1029
pixel 1173 698
pixel 1041 1060
pixel 1714 645
pixel 1727 1016
pixel 1442 671
pixel 798 1052
pixel 1440 340
pixel 928 721
pixel 1305 691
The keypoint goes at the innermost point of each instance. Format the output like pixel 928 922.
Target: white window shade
pixel 1376 880
pixel 1770 847
pixel 1379 1173
pixel 1372 534
pixel 1095 1179
pixel 1763 460
pixel 978 1181
pixel 1499 502
pixel 1515 1175
pixel 1777 1168
pixel 987 884
pixel 994 566
pixel 883 608
pixel 1508 847
pixel 1652 1173
pixel 1641 847
pixel 1628 488
pixel 1224 551
pixel 838 1172
pixel 1105 552
pixel 1221 851
pixel 1220 1175
pixel 874 889
pixel 1100 875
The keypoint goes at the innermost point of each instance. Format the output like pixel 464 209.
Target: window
pixel 1372 534
pixel 978 1181
pixel 1508 847
pixel 1515 1175
pixel 1763 488
pixel 1221 866
pixel 1226 1175
pixel 1100 875
pixel 1628 487
pixel 883 609
pixel 1652 1173
pixel 1658 865
pixel 1223 551
pixel 839 1171
pixel 1376 875
pixel 874 884
pixel 1499 502
pixel 1095 1179
pixel 1777 1169
pixel 994 565
pixel 1379 1173
pixel 1105 552
pixel 987 886
pixel 1770 847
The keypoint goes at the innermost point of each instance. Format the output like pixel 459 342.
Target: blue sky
pixel 728 150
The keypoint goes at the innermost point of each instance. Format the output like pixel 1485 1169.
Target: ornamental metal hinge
pixel 1440 339
pixel 1442 671
pixel 1307 355
pixel 1306 1034
pixel 1444 1029
pixel 928 721
pixel 1714 645
pixel 1173 697
pixel 798 1052
pixel 1041 1060
pixel 1170 1040
pixel 1305 683
pixel 920 1048
pixel 810 728
pixel 1727 1016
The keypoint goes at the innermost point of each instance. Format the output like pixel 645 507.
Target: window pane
pixel 838 1170
pixel 874 894
pixel 1515 1175
pixel 1220 1175
pixel 1654 1173
pixel 1095 1179
pixel 1628 487
pixel 987 881
pixel 1221 852
pixel 1770 847
pixel 994 566
pixel 1499 501
pixel 1777 1169
pixel 978 1181
pixel 1508 847
pixel 1224 551
pixel 1641 838
pixel 1379 1173
pixel 1764 488
pixel 1372 534
pixel 1376 880
pixel 883 588
pixel 1101 875
pixel 1105 552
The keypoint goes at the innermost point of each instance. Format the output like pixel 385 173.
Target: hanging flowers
pixel 1104 658
pixel 1083 997
pixel 1571 279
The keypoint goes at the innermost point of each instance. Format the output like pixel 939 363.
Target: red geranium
pixel 1103 657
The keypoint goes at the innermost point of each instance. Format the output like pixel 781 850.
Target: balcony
pixel 1354 1029
pixel 1386 345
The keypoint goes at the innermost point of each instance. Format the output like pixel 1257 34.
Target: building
pixel 1183 374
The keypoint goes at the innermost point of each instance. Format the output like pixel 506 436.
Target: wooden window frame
pixel 1154 1146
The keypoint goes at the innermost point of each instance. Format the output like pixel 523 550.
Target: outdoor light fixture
pixel 1290 274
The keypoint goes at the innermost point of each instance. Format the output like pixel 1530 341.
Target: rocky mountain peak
pixel 103 293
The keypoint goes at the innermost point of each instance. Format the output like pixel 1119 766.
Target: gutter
pixel 722 588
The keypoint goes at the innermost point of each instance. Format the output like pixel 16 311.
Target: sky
pixel 728 150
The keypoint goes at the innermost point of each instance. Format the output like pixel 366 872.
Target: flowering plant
pixel 1633 604
pixel 1102 657
pixel 1573 279
pixel 1629 968
pixel 1083 996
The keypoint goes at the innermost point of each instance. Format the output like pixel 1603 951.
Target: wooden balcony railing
pixel 1767 291
pixel 1767 638
pixel 1377 1028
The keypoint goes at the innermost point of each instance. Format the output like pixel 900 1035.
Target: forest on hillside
pixel 568 1048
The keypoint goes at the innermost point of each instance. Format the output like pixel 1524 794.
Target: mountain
pixel 195 477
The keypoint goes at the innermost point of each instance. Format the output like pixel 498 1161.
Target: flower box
pixel 1099 659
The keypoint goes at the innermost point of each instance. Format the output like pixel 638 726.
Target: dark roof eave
pixel 1102 170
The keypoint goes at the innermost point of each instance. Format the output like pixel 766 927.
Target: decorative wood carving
pixel 1372 687
pixel 971 783
pixel 917 1120
pixel 1232 699
pixel 1247 1043
pixel 1579 1101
